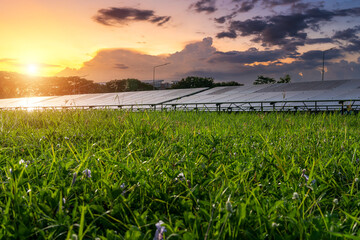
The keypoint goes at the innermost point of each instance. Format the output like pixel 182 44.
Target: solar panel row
pixel 303 95
pixel 100 99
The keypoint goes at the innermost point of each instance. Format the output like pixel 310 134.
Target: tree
pixel 232 83
pixel 197 82
pixel 194 82
pixel 264 80
pixel 125 85
pixel 285 79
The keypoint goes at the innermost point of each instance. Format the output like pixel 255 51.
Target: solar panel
pixel 285 96
pixel 101 99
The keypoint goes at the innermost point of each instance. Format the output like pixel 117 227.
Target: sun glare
pixel 32 69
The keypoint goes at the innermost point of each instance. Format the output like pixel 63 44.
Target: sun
pixel 32 69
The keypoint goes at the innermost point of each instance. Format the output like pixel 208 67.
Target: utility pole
pixel 154 71
pixel 323 63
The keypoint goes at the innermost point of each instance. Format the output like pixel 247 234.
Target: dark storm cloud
pixel 248 27
pixel 354 46
pixel 246 6
pixel 245 57
pixel 220 19
pixel 302 7
pixel 317 55
pixel 273 3
pixel 281 29
pixel 230 34
pixel 208 6
pixel 347 34
pixel 114 16
pixel 350 36
pixel 348 12
pixel 318 40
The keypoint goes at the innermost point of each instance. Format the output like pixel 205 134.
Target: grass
pixel 205 175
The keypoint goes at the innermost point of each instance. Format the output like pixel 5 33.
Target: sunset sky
pixel 229 40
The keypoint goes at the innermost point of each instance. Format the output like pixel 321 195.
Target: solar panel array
pixel 119 99
pixel 318 95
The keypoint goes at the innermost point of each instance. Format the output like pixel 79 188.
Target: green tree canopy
pixel 264 80
pixel 232 83
pixel 285 79
pixel 125 85
pixel 197 82
pixel 194 82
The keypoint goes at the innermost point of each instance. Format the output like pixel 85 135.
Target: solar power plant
pixel 306 96
pixel 139 99
pixel 317 95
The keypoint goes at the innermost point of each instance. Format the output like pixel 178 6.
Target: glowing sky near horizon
pixel 225 39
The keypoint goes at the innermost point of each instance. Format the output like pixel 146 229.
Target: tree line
pixel 268 80
pixel 17 85
pixel 14 85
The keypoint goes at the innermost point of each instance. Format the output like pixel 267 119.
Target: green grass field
pixel 105 174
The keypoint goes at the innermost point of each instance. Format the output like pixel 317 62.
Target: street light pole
pixel 154 71
pixel 323 63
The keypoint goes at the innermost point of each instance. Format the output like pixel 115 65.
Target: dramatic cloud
pixel 202 59
pixel 108 64
pixel 347 34
pixel 246 57
pixel 273 3
pixel 318 40
pixel 354 46
pixel 288 31
pixel 207 6
pixel 220 19
pixel 316 55
pixel 230 34
pixel 350 36
pixel 245 6
pixel 119 16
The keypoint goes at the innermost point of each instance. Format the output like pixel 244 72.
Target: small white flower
pixel 180 177
pixel 21 161
pixel 123 185
pixel 64 200
pixel 228 205
pixel 356 180
pixel 335 201
pixel 66 138
pixel 295 195
pixel 28 191
pixel 10 170
pixel 159 234
pixel 274 225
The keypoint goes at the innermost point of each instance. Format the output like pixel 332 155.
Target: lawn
pixel 109 174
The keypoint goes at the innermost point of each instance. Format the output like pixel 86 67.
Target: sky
pixel 228 40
